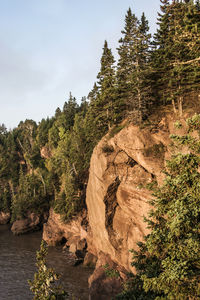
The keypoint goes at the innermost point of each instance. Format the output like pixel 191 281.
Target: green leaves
pixel 168 263
pixel 44 285
pixel 133 82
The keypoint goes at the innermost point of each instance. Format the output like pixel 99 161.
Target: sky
pixel 49 48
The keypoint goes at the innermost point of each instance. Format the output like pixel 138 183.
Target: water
pixel 17 264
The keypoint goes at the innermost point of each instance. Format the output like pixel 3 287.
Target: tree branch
pixel 186 62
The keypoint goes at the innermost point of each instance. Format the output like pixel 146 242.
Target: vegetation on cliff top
pixel 150 73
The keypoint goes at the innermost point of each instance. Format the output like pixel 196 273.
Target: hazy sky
pixel 51 47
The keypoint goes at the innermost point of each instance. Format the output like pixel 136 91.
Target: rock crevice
pixel 111 204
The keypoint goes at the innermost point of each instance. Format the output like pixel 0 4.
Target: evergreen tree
pixel 64 121
pixel 57 112
pixel 67 201
pixel 91 134
pixel 176 52
pixel 185 70
pixel 42 131
pixel 69 109
pixel 168 263
pixel 105 102
pixel 161 56
pixel 30 196
pixel 125 66
pixel 44 284
pixel 103 107
pixel 133 66
pixel 141 74
pixel 84 106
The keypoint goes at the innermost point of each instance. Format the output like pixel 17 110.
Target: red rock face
pixel 116 215
pixel 73 232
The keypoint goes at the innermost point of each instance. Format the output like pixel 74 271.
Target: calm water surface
pixel 17 264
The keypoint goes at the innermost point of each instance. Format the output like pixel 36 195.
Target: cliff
pixel 117 199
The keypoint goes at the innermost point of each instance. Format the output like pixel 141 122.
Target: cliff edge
pixel 117 199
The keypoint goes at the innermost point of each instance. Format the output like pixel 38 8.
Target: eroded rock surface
pixel 31 223
pixel 105 282
pixel 117 197
pixel 73 233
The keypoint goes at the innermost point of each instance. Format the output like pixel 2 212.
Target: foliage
pixel 117 128
pixel 133 85
pixel 111 273
pixel 31 196
pixel 176 53
pixel 156 150
pixel 167 263
pixel 44 285
pixel 107 149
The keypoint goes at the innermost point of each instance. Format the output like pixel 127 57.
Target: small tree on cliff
pixel 43 286
pixel 174 240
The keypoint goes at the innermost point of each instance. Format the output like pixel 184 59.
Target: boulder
pixel 4 218
pixel 73 233
pixel 90 260
pixel 31 223
pixel 106 281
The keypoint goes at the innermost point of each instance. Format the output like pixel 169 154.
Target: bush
pixel 44 285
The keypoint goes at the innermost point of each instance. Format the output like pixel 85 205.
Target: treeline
pixel 150 72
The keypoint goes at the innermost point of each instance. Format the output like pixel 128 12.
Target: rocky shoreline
pixel 4 218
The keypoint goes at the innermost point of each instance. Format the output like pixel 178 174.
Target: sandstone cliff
pixel 117 197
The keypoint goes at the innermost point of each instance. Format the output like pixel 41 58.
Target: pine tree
pixel 105 101
pixel 69 110
pixel 176 52
pixel 125 66
pixel 169 261
pixel 185 32
pixel 133 66
pixel 44 284
pixel 141 80
pixel 92 135
pixel 84 106
pixel 103 107
pixel 160 56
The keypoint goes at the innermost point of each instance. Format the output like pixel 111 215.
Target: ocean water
pixel 17 265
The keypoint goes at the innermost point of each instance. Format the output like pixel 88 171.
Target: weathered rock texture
pixel 104 282
pixel 31 223
pixel 73 233
pixel 117 199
